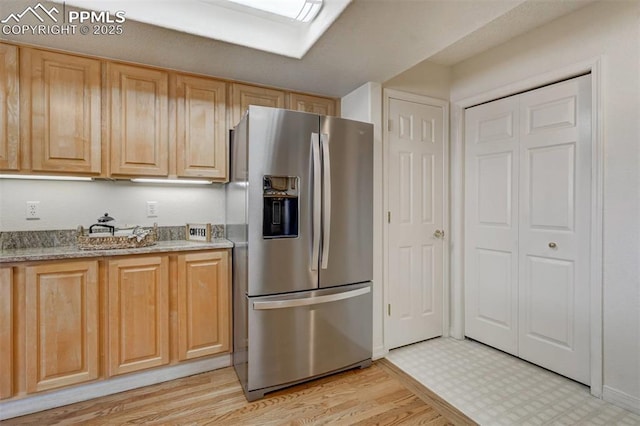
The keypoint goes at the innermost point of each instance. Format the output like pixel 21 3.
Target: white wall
pixel 609 31
pixel 426 78
pixel 365 104
pixel 65 205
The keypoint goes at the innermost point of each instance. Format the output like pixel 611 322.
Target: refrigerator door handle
pixel 306 301
pixel 317 180
pixel 326 200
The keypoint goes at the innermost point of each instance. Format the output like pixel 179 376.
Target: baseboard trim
pixel 36 403
pixel 621 399
pixel 379 352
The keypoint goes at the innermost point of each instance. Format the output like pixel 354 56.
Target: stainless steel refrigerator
pixel 300 214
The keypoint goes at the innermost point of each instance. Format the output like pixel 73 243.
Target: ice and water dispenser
pixel 280 206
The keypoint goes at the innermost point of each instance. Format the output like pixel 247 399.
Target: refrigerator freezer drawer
pixel 297 337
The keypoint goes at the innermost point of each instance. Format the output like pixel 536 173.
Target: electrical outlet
pixel 152 209
pixel 33 210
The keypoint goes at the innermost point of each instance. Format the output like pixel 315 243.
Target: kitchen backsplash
pixel 59 238
pixel 65 205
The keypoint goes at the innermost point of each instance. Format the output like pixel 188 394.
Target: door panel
pixel 6 332
pixel 138 296
pixel 548 294
pixel 9 107
pixel 551 206
pixel 527 225
pixel 280 145
pixel 203 304
pixel 243 95
pixel 291 343
pixel 314 104
pixel 138 120
pixel 555 114
pixel 416 152
pixel 405 175
pixel 61 324
pixel 494 288
pixel 555 205
pixel 350 250
pixel 200 127
pixel 494 189
pixel 65 106
pixel 491 224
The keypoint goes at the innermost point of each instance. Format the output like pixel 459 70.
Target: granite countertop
pixel 73 252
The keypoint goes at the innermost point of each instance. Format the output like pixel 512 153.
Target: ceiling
pixel 226 20
pixel 372 40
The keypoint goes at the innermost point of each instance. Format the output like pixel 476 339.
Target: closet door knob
pixel 553 245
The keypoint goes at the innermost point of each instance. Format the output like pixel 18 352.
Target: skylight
pixel 298 10
pixel 284 27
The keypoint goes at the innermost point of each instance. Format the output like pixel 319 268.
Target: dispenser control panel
pixel 280 206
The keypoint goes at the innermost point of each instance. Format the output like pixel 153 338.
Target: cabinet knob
pixel 552 245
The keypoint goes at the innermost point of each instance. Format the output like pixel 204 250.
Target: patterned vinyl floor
pixel 494 388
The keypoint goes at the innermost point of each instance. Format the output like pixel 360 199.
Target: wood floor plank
pixel 425 394
pixel 381 394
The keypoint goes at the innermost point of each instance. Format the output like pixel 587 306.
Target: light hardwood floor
pixel 381 395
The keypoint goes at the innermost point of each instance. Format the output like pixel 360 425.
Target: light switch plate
pixel 152 209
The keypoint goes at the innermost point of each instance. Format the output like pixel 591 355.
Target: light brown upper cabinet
pixel 314 104
pixel 204 304
pixel 61 112
pixel 243 95
pixel 6 332
pixel 201 140
pixel 61 335
pixel 138 122
pixel 138 314
pixel 9 107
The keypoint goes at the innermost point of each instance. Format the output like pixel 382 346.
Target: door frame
pixel 457 165
pixel 389 94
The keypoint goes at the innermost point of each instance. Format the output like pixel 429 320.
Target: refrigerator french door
pixel 300 214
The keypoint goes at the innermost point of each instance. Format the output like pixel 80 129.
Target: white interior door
pixel 527 225
pixel 415 234
pixel 491 224
pixel 555 207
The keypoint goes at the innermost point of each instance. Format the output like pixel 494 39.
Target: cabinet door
pixel 9 102
pixel 61 324
pixel 200 127
pixel 138 314
pixel 138 121
pixel 314 104
pixel 65 112
pixel 203 304
pixel 244 95
pixel 6 332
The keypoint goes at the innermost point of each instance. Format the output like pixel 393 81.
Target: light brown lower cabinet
pixel 6 333
pixel 204 326
pixel 68 322
pixel 138 313
pixel 61 324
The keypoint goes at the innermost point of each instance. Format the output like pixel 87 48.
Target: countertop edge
pixel 72 252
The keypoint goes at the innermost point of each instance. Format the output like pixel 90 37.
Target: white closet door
pixel 555 206
pixel 416 188
pixel 491 224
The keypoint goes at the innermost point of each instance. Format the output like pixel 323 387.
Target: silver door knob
pixel 552 245
pixel 439 233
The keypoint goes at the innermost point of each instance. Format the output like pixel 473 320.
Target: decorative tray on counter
pixel 131 238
